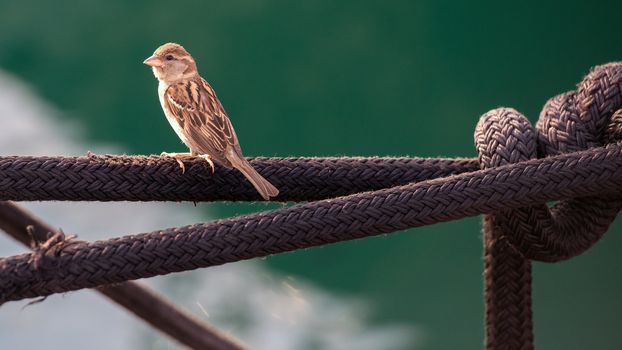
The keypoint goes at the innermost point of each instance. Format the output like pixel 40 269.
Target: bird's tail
pixel 265 188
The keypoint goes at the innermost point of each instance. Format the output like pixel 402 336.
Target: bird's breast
pixel 169 114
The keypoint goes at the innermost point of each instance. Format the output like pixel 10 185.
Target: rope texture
pixel 85 265
pixel 570 122
pixel 503 136
pixel 138 299
pixel 140 178
pixel 509 188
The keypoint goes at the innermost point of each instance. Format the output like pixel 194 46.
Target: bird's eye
pixel 169 57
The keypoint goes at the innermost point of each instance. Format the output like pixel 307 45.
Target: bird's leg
pixel 208 159
pixel 178 157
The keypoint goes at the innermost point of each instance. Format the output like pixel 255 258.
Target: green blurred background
pixel 326 78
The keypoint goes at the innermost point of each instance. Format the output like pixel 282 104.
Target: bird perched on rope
pixel 197 116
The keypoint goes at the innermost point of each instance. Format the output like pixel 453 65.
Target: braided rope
pixel 572 121
pixel 405 192
pixel 591 172
pixel 503 136
pixel 140 178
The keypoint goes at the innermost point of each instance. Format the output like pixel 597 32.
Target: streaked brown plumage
pixel 197 116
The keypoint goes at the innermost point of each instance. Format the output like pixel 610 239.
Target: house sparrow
pixel 197 116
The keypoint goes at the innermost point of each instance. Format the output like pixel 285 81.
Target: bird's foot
pixel 208 159
pixel 178 157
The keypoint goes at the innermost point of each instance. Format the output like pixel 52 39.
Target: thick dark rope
pixel 156 310
pixel 587 173
pixel 502 137
pixel 573 121
pixel 520 228
pixel 140 178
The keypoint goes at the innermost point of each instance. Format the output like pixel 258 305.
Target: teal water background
pixel 324 78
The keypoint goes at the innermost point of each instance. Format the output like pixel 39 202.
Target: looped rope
pixel 569 122
pixel 503 136
pixel 523 168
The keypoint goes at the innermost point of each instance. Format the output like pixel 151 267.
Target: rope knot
pixel 45 252
pixel 577 120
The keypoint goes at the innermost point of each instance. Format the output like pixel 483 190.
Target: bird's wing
pixel 202 117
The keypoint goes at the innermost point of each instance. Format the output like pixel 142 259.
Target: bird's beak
pixel 153 61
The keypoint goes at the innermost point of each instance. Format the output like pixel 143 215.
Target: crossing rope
pixel 572 155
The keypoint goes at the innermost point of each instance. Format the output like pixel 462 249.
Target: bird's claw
pixel 181 165
pixel 177 157
pixel 209 161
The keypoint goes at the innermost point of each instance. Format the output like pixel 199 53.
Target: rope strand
pixel 591 172
pixel 402 193
pixel 140 178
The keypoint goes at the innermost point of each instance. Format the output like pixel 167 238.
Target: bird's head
pixel 172 63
